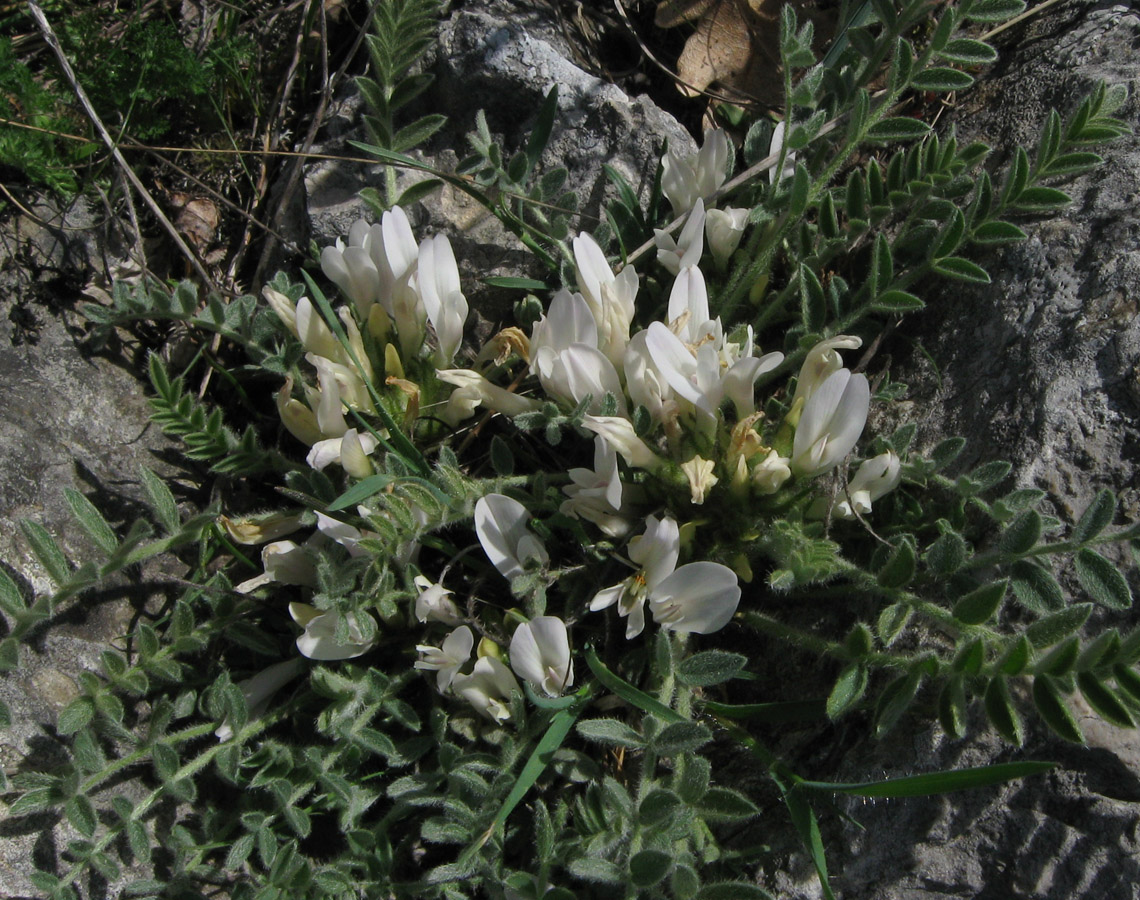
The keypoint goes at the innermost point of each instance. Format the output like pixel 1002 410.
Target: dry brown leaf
pixel 196 219
pixel 671 13
pixel 737 47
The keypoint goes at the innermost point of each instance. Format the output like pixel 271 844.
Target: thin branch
pixel 81 95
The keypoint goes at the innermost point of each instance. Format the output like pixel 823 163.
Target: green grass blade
pixel 935 782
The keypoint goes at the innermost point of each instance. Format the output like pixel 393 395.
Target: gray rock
pixel 67 419
pixel 1041 368
pixel 503 60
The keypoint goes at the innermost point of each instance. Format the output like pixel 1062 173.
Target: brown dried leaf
pixel 737 47
pixel 197 219
pixel 671 13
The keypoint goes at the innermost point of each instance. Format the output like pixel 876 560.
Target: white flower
pixel 472 390
pixel 876 477
pixel 619 433
pixel 284 562
pixel 259 690
pixel 350 452
pixel 711 371
pixel 833 418
pixel 488 688
pixel 315 335
pixel 697 597
pixel 348 536
pixel 285 309
pixel 540 654
pixel 581 371
pixel 569 321
pixel 596 494
pixel 298 419
pixel 688 310
pixel 610 297
pixel 352 269
pixel 319 640
pixel 684 180
pixel 500 523
pixel 774 147
pixel 446 661
pixel 724 229
pixel 701 478
pixel 395 254
pixel 260 529
pixel 432 603
pixel 821 362
pixel 686 250
pixel 769 475
pixel 444 303
pixel 645 383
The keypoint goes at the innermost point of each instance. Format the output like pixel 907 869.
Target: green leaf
pixel 161 501
pixel 1052 708
pixel 1057 626
pixel 895 699
pixel 47 551
pixel 540 134
pixel 941 78
pixel 813 300
pixel 81 814
pixel 610 731
pixel 1016 657
pixel 892 621
pixel 76 715
pixel 413 193
pixel 659 806
pixel 1101 652
pixel 952 706
pixel 91 520
pixel 628 692
pixel 1072 164
pixel 1022 534
pixel 1104 701
pixel 1128 681
pixel 980 605
pixel 1001 711
pixel 520 284
pixel 591 868
pixel 1060 660
pixel 950 237
pixel 996 232
pixel 947 554
pixel 960 269
pixel 5 716
pixel 807 827
pixel 899 567
pixel 994 10
pixel 779 713
pixel 968 52
pixel 647 867
pixel 692 778
pixel 897 302
pixel 414 134
pixel 732 890
pixel 1035 587
pixel 935 782
pixel 899 128
pixel 720 804
pixel 360 492
pixel 848 690
pixel 1102 580
pixel 710 667
pixel 680 737
pixel 1041 199
pixel 1096 518
pixel 11 597
pixel 800 192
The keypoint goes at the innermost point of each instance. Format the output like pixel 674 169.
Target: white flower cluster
pixel 687 380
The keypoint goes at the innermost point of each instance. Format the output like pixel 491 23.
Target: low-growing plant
pixel 526 580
